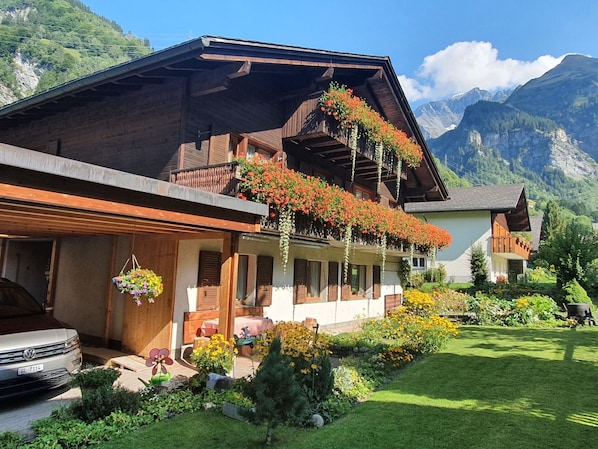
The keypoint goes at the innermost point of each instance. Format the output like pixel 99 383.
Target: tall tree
pixel 572 250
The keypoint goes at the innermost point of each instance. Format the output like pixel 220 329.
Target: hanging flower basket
pixel 139 282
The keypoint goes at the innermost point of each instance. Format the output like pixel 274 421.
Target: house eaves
pixel 508 199
pixel 43 195
pixel 208 54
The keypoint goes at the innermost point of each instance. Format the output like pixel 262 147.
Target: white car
pixel 37 352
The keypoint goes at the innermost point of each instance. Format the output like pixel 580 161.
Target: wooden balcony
pixel 220 178
pixel 511 247
pixel 308 130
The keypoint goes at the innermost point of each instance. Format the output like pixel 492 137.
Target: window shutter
pixel 208 280
pixel 219 145
pixel 300 281
pixel 376 281
pixel 332 281
pixel 346 286
pixel 264 273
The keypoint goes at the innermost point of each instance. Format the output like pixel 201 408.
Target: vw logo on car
pixel 29 354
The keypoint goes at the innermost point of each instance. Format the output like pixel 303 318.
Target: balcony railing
pixel 220 178
pixel 310 130
pixel 511 246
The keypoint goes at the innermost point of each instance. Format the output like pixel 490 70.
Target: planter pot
pixel 232 411
pixel 159 378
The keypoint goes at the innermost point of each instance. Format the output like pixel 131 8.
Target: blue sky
pixel 438 48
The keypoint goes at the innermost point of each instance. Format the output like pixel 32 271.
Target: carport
pixel 48 197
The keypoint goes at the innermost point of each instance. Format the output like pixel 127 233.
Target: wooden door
pixel 150 325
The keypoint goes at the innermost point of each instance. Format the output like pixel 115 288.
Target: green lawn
pixel 492 388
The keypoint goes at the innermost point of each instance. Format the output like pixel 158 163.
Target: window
pixel 250 149
pixel 307 281
pixel 357 280
pixel 418 262
pixel 363 194
pixel 357 283
pixel 313 278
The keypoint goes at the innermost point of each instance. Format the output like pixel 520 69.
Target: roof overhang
pixel 45 196
pixel 216 63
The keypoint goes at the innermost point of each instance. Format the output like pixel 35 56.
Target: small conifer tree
pixel 478 265
pixel 277 396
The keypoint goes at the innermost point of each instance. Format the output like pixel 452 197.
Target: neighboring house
pixel 484 215
pixel 141 159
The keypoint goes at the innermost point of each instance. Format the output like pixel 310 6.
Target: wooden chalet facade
pixel 181 117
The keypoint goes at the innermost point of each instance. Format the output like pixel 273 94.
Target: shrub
pixel 437 274
pixel 451 301
pixel 99 402
pixel 416 280
pixel 575 292
pixel 417 302
pixel 217 355
pixel 96 377
pixel 418 334
pixel 309 355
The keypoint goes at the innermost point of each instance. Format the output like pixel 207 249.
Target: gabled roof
pixel 508 199
pixel 220 62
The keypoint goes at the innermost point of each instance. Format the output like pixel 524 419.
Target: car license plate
pixel 30 369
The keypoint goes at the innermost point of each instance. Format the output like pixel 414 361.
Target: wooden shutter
pixel 346 286
pixel 332 281
pixel 376 281
pixel 265 268
pixel 219 146
pixel 300 281
pixel 208 281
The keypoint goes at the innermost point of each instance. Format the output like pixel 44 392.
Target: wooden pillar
pixel 228 283
pixel 52 276
pixel 110 298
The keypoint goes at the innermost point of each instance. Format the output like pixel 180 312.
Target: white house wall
pixel 466 229
pixel 282 308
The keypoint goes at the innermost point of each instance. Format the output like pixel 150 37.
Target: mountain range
pixel 544 134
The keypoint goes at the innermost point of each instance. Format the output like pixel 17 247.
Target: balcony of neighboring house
pixel 508 245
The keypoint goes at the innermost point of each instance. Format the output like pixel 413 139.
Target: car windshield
pixel 15 301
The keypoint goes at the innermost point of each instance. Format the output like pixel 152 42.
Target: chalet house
pixel 145 159
pixel 484 215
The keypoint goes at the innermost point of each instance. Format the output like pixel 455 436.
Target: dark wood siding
pixel 138 132
pixel 265 269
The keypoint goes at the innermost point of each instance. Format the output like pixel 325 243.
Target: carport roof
pixel 47 196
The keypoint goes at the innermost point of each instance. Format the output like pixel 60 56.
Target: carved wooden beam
pixel 217 80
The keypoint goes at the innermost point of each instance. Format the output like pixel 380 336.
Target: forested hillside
pixel 44 43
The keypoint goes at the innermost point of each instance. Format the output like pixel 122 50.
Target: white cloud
pixel 464 65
